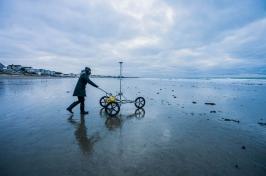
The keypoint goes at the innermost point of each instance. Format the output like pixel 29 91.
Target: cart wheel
pixel 112 108
pixel 103 113
pixel 140 102
pixel 139 113
pixel 103 101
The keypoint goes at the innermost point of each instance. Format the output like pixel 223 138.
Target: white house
pixel 27 69
pixel 36 71
pixel 2 66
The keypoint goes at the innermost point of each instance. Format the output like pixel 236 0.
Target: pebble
pixel 210 104
pixel 262 124
pixel 237 121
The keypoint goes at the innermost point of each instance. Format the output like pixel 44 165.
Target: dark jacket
pixel 80 89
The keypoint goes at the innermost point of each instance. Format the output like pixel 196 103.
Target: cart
pixel 112 103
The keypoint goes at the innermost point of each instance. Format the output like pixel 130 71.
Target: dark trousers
pixel 81 100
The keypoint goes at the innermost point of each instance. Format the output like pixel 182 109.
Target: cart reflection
pixel 113 122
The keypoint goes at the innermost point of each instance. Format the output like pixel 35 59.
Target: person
pixel 80 90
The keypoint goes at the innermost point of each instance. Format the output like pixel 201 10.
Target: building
pixel 42 72
pixel 52 73
pixel 27 69
pixel 46 72
pixel 18 69
pixel 2 66
pixel 59 74
pixel 15 68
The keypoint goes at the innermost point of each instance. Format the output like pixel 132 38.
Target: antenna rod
pixel 120 77
pixel 120 68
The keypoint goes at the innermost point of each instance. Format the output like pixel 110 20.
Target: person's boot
pixel 72 106
pixel 84 112
pixel 69 110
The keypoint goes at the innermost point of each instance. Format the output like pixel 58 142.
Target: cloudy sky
pixel 155 38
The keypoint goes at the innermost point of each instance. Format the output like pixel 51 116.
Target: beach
pixel 22 76
pixel 187 127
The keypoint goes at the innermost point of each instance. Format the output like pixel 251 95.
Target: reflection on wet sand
pixel 85 142
pixel 116 122
pixel 112 123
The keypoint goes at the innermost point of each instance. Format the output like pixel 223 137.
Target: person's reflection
pixel 85 143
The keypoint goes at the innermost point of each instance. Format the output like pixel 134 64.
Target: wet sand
pixel 187 127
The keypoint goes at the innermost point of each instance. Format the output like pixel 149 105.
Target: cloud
pixel 152 37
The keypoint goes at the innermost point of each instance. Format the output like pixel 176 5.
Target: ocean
pixel 187 127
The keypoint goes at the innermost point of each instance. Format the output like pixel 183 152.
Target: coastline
pixel 21 76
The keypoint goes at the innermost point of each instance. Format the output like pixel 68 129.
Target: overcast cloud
pixel 153 37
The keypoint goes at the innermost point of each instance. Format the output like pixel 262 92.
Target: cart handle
pixel 104 91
